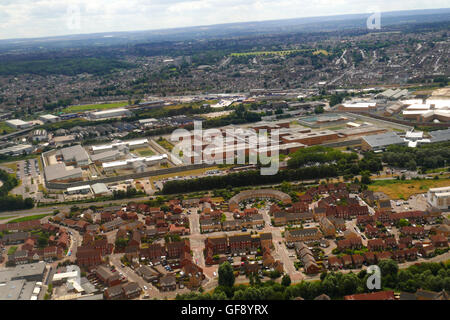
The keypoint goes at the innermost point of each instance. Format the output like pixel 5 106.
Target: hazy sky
pixel 38 18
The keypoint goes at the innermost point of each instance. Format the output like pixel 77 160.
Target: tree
pixel 286 280
pixel 318 110
pixel 365 178
pixel 226 275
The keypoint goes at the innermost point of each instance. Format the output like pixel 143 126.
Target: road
pixel 281 251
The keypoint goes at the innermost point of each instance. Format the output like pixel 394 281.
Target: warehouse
pixel 380 141
pixel 79 190
pixel 18 124
pixel 17 150
pixel 112 113
pixel 49 118
pixel 100 189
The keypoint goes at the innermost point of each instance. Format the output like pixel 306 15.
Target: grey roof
pixel 75 153
pixel 11 290
pixel 59 172
pixel 382 140
pixel 99 188
pixel 440 135
pixel 105 155
pixel 22 272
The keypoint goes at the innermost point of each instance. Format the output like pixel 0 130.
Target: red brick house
pixel 439 241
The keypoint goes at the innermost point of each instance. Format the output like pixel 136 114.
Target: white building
pixel 135 163
pixel 18 124
pixel 111 113
pixel 133 144
pixel 79 190
pixel 439 197
pixel 49 118
pixel 39 135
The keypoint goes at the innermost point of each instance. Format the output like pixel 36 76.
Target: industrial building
pixel 17 150
pixel 49 118
pixel 358 106
pixel 18 124
pixel 380 141
pixel 137 164
pixel 100 189
pixel 439 197
pixel 79 190
pixel 39 135
pixel 59 172
pixel 112 113
pixel 75 155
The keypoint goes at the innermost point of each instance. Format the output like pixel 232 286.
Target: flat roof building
pixel 18 124
pixel 112 113
pixel 439 197
pixel 381 141
pixel 59 171
pixel 49 118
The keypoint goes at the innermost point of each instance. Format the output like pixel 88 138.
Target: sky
pixel 42 18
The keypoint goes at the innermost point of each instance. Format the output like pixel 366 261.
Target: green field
pixel 145 152
pixel 12 249
pixel 5 129
pixel 280 53
pixel 34 217
pixel 88 107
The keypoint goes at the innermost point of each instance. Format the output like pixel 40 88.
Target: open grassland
pixel 88 107
pixel 5 129
pixel 403 189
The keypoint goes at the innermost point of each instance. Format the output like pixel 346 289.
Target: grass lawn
pixel 403 189
pixel 87 107
pixel 145 152
pixel 34 217
pixel 12 250
pixel 165 144
pixel 5 129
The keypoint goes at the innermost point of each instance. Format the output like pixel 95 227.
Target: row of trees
pixel 429 276
pixel 248 178
pixel 319 154
pixel 426 156
pixel 346 166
